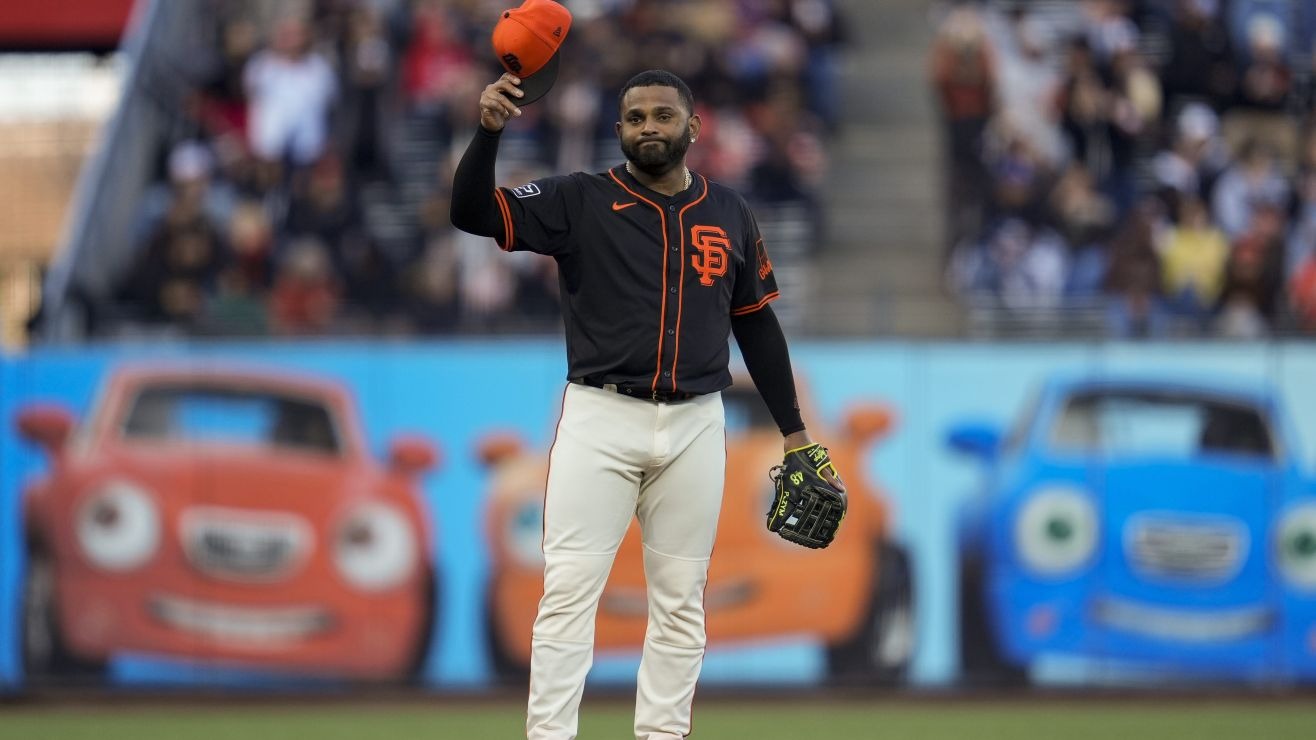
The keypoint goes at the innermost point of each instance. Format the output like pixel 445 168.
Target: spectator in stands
pixel 1081 214
pixel 1084 220
pixel 1301 246
pixel 265 108
pixel 1254 178
pixel 306 295
pixel 1085 113
pixel 224 95
pixel 1189 168
pixel 323 206
pixel 1029 84
pixel 237 308
pixel 1302 294
pixel 291 89
pixel 1134 109
pixel 238 305
pixel 1201 65
pixel 963 72
pixel 367 63
pixel 822 26
pixel 536 297
pixel 251 244
pixel 438 65
pixel 1019 176
pixel 1240 15
pixel 1265 90
pixel 190 180
pixel 1193 263
pixel 1107 29
pixel 792 163
pixel 488 283
pixel 175 273
pixel 1250 302
pixel 1133 278
pixel 1018 267
pixel 430 289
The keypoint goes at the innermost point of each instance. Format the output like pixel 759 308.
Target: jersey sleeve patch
pixel 529 190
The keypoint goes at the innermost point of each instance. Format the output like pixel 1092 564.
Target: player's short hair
pixel 659 78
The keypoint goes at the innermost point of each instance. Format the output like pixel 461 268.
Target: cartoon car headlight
pixel 375 547
pixel 1055 531
pixel 1296 542
pixel 118 526
pixel 525 534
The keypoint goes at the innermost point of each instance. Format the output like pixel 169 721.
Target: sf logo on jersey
pixel 711 260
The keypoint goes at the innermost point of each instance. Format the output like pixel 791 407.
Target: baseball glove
pixel 806 509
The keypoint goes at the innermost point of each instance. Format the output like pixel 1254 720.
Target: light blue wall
pixel 453 392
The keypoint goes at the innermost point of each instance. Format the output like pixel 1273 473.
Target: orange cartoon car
pixel 229 517
pixel 855 597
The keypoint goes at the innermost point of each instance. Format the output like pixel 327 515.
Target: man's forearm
pixel 474 208
pixel 763 345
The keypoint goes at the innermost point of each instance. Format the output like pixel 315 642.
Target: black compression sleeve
pixel 767 358
pixel 474 207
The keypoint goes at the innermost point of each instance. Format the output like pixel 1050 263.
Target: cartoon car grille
pixel 242 545
pixel 1201 551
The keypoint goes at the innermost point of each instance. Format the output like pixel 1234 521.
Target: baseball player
pixel 658 267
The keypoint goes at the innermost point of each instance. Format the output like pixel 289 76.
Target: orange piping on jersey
pixel 751 309
pixel 662 309
pixel 509 234
pixel 680 295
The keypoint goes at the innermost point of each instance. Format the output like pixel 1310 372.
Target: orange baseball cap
pixel 526 41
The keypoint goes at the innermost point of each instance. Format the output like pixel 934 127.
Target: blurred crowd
pixel 303 188
pixel 1154 159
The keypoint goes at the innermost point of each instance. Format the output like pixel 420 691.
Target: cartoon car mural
pixel 228 517
pixel 1151 525
pixel 855 597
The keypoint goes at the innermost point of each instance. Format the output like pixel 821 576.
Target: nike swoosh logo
pixel 621 206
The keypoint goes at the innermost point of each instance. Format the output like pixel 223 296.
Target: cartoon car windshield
pixel 1178 425
pixel 199 414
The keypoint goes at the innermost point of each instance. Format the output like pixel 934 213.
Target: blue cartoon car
pixel 1157 526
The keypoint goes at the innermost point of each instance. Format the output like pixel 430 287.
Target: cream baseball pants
pixel 616 458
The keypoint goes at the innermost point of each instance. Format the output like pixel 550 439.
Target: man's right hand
pixel 496 104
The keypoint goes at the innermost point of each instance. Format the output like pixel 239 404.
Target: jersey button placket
pixel 674 300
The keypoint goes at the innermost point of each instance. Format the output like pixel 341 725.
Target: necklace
pixel 688 177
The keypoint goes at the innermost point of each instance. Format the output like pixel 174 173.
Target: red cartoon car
pixel 230 517
pixel 855 597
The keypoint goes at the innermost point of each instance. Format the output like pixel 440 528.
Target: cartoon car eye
pixel 375 547
pixel 1297 546
pixel 525 533
pixel 1055 532
pixel 118 526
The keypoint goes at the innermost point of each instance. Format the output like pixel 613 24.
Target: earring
pixel 692 139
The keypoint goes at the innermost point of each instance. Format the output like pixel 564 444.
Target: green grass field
pixel 1196 719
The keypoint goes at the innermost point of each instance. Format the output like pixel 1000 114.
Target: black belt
pixel 646 394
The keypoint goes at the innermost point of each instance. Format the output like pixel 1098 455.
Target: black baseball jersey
pixel 649 282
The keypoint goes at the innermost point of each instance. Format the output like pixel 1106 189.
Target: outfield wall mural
pixel 308 515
